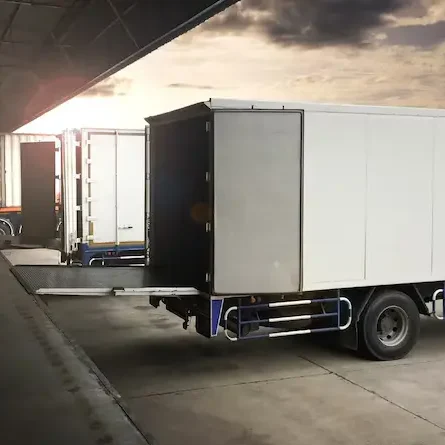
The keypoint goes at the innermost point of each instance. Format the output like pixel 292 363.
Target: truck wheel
pixel 5 228
pixel 389 327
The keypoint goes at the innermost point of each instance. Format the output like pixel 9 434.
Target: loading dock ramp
pixel 63 280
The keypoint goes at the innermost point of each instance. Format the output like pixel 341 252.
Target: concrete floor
pixel 38 256
pixel 184 388
pixel 50 394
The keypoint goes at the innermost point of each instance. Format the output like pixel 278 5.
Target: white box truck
pixel 103 195
pixel 306 217
pixel 278 219
pixel 97 177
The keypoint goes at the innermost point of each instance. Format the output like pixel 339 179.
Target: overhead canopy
pixel 52 50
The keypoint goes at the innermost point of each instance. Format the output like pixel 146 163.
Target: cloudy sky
pixel 388 52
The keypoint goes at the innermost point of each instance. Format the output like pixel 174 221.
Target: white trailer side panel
pixel 257 160
pixel 334 197
pixel 10 178
pixel 439 199
pixel 368 199
pixel 399 199
pixel 113 172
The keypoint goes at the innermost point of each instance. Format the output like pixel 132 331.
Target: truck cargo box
pixel 103 190
pixel 278 198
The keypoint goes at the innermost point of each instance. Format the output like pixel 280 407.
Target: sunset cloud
pixel 189 86
pixel 310 23
pixel 113 86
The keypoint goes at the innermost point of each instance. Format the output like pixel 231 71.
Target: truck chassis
pixel 381 323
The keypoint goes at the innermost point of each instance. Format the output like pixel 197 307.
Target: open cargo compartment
pixel 180 198
pixel 225 208
pixel 11 147
pixel 225 199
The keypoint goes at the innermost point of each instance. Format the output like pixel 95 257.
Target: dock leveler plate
pixel 62 280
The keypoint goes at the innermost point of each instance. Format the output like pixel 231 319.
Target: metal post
pixel 116 189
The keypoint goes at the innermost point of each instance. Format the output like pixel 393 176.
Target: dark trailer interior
pixel 180 195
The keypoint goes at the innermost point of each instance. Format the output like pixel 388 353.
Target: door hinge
pixel 207 176
pixel 208 227
pixel 207 278
pixel 207 127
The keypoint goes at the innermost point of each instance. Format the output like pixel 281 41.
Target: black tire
pixel 402 321
pixel 5 228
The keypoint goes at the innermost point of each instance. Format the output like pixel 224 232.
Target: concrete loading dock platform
pixel 51 393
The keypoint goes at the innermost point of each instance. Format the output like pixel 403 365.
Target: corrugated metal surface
pixel 10 188
pixel 93 29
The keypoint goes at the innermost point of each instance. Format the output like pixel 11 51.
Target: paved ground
pixel 49 393
pixel 32 256
pixel 186 389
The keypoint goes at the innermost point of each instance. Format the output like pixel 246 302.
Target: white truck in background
pixel 103 191
pixel 98 191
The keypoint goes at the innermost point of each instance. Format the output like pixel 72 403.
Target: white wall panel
pixel 438 266
pixel 399 222
pixel 334 202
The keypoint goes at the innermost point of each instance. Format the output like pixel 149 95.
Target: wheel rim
pixel 5 230
pixel 392 326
